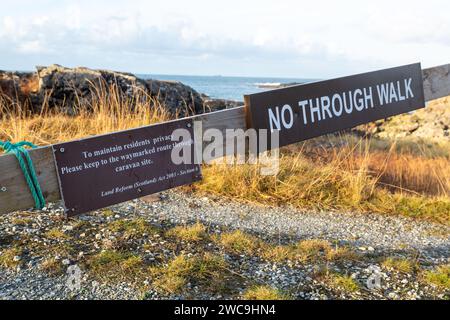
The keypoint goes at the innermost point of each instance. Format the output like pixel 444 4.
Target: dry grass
pixel 52 266
pixel 208 271
pixel 106 113
pixel 306 251
pixel 111 264
pixel 21 221
pixel 7 257
pixel 399 264
pixel 131 228
pixel 353 177
pixel 417 174
pixel 194 233
pixel 263 293
pixel 238 242
pixel 241 243
pixel 439 277
pixel 55 234
pixel 341 254
pixel 344 283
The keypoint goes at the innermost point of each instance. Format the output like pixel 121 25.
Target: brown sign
pixel 101 171
pixel 307 111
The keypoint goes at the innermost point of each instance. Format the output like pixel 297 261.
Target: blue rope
pixel 26 164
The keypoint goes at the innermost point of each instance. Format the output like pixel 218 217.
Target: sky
pixel 278 38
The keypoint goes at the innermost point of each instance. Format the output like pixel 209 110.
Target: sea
pixel 230 88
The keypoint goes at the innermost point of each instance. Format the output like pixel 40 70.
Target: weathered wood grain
pixel 436 82
pixel 17 196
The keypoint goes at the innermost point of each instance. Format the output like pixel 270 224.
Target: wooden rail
pixel 14 193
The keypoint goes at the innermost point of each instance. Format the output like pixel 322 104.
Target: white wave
pixel 268 84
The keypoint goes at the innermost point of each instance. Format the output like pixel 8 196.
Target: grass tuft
pixel 208 271
pixel 131 228
pixel 345 283
pixel 399 264
pixel 194 233
pixel 439 277
pixel 111 264
pixel 303 251
pixel 52 266
pixel 7 258
pixel 263 293
pixel 55 234
pixel 238 242
pixel 21 221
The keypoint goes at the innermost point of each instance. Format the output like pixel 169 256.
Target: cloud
pixel 33 46
pixel 285 38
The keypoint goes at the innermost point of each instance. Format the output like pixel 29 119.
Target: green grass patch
pixel 194 233
pixel 440 277
pixel 111 264
pixel 208 271
pixel 264 293
pixel 345 283
pixel 238 242
pixel 399 264
pixel 56 234
pixel 131 228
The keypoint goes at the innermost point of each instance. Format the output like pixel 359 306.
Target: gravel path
pixel 374 231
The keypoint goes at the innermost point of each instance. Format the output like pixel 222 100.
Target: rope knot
pixel 8 146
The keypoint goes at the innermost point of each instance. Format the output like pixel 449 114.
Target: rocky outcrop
pixel 68 88
pixel 431 123
pixel 20 87
pixel 176 96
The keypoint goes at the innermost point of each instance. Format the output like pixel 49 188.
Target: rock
pixel 220 104
pixel 431 123
pixel 176 96
pixel 67 228
pixel 66 262
pixel 68 88
pixel 20 86
pixel 393 296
